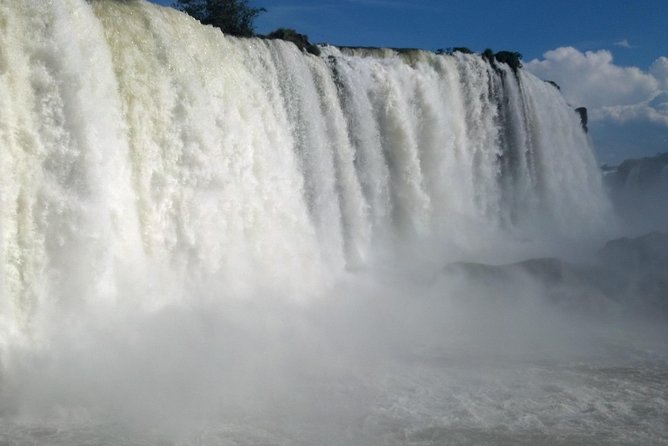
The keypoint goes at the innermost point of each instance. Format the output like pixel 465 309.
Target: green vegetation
pixel 456 49
pixel 488 55
pixel 233 17
pixel 293 36
pixel 511 58
pixel 460 49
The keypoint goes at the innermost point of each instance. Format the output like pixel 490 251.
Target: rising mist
pixel 210 240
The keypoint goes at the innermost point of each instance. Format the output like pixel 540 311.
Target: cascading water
pixel 133 137
pixel 153 170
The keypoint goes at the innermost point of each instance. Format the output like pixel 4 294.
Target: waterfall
pixel 143 154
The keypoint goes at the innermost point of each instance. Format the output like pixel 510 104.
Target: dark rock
pixel 646 170
pixel 459 49
pixel 573 288
pixel 488 55
pixel 640 267
pixel 645 253
pixel 301 40
pixel 554 84
pixel 511 58
pixel 584 119
pixel 639 192
pixel 547 270
pixel 631 277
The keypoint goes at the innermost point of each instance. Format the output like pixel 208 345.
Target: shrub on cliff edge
pixel 233 17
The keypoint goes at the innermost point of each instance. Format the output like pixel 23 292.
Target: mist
pixel 463 352
pixel 219 241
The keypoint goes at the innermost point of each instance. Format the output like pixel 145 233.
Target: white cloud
pixel 659 70
pixel 624 44
pixel 620 99
pixel 592 79
pixel 650 111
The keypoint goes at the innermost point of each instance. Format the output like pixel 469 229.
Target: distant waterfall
pixel 142 153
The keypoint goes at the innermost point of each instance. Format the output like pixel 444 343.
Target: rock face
pixel 576 288
pixel 584 119
pixel 549 270
pixel 639 191
pixel 646 253
pixel 511 58
pixel 639 267
pixel 643 171
pixel 554 84
pixel 630 276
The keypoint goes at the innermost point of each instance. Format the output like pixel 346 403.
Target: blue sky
pixel 609 55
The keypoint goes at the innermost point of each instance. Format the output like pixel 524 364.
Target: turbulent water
pixel 210 240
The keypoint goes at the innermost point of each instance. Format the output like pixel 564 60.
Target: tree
pixel 233 17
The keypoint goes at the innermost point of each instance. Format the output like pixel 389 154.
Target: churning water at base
pixel 208 240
